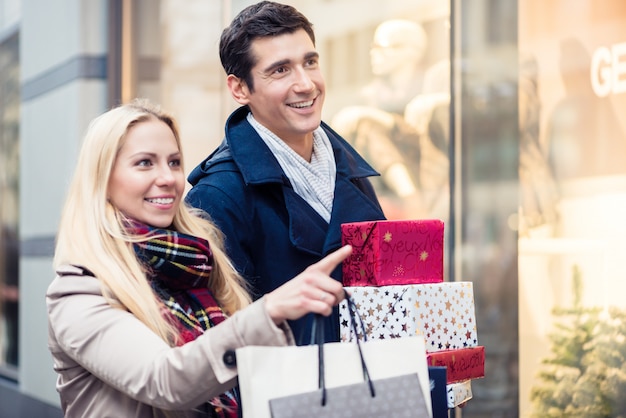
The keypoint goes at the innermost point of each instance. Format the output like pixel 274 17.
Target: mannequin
pixel 378 129
pixel 396 57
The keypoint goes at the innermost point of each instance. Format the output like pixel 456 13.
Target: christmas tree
pixel 586 374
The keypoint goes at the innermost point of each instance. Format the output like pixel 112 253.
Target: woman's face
pixel 147 181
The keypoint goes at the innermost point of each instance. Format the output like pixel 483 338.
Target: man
pixel 282 182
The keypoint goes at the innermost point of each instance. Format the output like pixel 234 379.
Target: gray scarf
pixel 314 181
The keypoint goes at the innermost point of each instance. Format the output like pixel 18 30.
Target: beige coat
pixel 109 364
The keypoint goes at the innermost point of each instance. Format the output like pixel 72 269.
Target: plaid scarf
pixel 179 267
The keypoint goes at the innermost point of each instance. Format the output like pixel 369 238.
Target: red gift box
pixel 393 252
pixel 462 364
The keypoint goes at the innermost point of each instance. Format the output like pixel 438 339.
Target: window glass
pixel 486 191
pixel 387 79
pixel 388 82
pixel 572 227
pixel 387 72
pixel 9 170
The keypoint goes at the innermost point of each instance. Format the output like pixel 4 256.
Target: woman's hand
pixel 313 290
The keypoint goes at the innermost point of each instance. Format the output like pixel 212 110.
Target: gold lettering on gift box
pixel 462 364
pixel 410 254
pixel 393 252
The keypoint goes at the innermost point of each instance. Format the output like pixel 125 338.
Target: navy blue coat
pixel 272 234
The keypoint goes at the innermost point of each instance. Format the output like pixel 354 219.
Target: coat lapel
pixel 309 232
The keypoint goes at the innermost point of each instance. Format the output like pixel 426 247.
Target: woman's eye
pixel 144 163
pixel 175 163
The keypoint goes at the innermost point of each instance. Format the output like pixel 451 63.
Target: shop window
pixel 388 94
pixel 572 227
pixel 394 61
pixel 488 152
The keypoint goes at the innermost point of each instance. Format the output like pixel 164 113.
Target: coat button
pixel 229 358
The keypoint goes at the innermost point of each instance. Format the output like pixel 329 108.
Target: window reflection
pixel 488 148
pixel 399 118
pixel 571 252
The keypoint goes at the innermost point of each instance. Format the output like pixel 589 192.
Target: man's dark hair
pixel 259 20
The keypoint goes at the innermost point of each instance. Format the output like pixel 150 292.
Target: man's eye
pixel 280 70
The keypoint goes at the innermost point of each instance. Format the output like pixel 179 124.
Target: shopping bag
pixel 438 391
pixel 392 397
pixel 393 370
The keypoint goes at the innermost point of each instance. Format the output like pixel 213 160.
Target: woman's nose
pixel 165 176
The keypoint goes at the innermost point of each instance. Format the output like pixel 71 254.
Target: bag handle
pixel 318 331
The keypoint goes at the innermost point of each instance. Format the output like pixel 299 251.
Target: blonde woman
pixel 146 310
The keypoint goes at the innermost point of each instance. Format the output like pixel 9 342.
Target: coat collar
pixel 258 165
pixel 308 231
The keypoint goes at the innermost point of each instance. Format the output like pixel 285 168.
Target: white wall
pixel 54 115
pixel 9 13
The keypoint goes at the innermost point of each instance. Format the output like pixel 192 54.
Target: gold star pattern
pixel 442 312
pixel 388 236
pixel 423 255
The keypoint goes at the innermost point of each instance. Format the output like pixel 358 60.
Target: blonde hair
pixel 92 234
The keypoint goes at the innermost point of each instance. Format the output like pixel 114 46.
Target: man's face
pixel 288 86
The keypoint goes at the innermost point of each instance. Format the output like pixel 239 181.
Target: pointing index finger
pixel 332 260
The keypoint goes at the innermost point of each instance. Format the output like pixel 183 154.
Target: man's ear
pixel 238 89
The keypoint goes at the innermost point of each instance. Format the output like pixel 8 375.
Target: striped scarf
pixel 179 267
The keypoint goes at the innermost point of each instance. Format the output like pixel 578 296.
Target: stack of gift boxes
pixel 395 277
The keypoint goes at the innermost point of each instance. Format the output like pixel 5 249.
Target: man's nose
pixel 303 81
